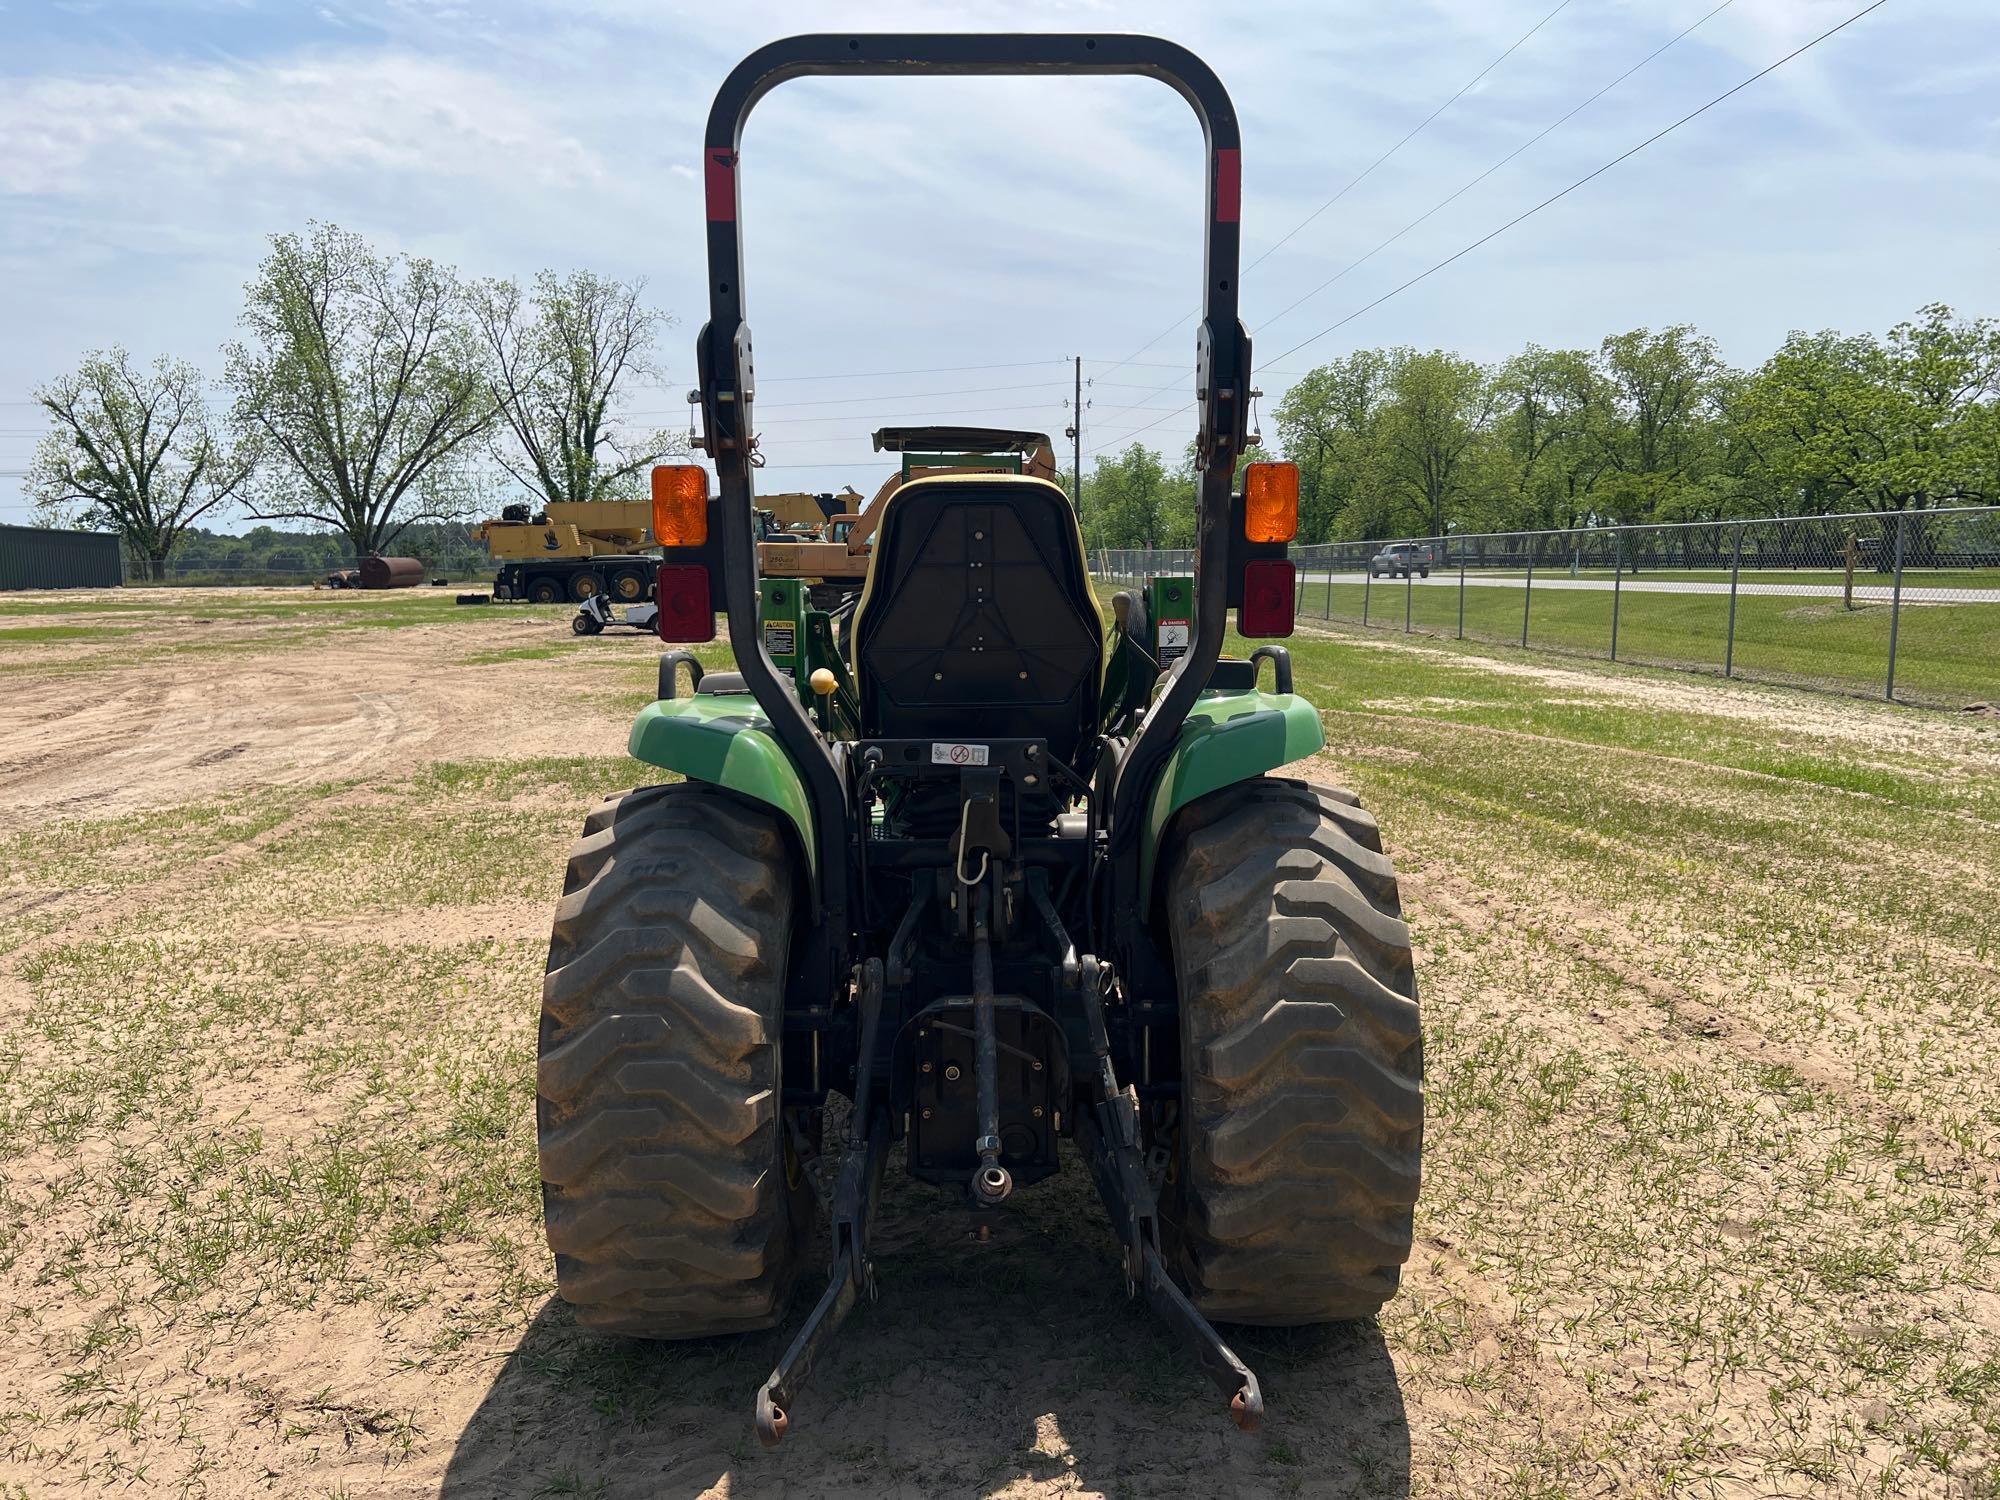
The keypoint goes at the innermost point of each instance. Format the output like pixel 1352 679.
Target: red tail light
pixel 1270 597
pixel 687 614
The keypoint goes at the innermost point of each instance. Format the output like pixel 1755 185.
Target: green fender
pixel 725 739
pixel 1228 737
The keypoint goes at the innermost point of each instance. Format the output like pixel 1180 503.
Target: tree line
pixel 367 393
pixel 442 547
pixel 1648 427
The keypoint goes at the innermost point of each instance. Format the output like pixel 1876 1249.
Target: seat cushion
pixel 978 620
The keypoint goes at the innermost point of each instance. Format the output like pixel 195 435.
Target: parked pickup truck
pixel 1401 559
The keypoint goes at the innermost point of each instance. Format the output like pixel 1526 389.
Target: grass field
pixel 1713 1034
pixel 1948 655
pixel 1981 580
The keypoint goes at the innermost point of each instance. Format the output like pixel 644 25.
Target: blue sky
pixel 146 151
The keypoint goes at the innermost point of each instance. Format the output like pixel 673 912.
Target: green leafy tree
pixel 134 451
pixel 1552 459
pixel 1179 502
pixel 1439 415
pixel 1329 424
pixel 364 376
pixel 1659 434
pixel 1132 499
pixel 1123 504
pixel 559 356
pixel 1833 422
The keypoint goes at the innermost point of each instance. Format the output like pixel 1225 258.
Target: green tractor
pixel 1009 882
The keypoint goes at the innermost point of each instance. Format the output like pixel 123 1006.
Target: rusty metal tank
pixel 391 572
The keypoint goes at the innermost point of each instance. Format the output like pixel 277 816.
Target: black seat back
pixel 978 620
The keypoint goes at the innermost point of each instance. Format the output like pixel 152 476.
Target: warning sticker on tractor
pixel 958 755
pixel 781 637
pixel 1173 641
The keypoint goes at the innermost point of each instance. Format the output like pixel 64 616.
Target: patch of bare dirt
pixel 358 704
pixel 1666 1249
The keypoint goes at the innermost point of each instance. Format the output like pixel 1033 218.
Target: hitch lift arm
pixel 1109 1135
pixel 851 1274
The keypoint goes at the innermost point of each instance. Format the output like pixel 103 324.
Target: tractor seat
pixel 978 620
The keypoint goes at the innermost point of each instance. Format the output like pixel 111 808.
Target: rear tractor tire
pixel 674 1204
pixel 1301 1123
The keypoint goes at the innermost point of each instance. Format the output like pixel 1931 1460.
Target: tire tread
pixel 664 1185
pixel 1302 1117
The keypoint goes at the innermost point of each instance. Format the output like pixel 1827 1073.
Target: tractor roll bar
pixel 728 386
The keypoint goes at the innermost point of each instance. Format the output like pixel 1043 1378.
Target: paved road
pixel 1881 593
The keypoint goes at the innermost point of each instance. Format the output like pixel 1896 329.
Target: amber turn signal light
pixel 680 505
pixel 1270 502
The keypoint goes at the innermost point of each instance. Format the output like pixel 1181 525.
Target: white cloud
pixel 912 223
pixel 316 118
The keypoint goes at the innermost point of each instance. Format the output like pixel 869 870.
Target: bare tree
pixel 558 356
pixel 133 452
pixel 364 375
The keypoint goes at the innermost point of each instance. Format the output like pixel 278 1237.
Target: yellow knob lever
pixel 823 682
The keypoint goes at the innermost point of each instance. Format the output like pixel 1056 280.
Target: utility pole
pixel 1075 435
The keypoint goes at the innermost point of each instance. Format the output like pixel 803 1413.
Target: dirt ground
pixel 1710 1208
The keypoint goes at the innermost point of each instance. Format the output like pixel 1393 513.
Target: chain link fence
pixel 1902 605
pixel 440 569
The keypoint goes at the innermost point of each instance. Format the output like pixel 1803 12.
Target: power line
pixel 786 421
pixel 1586 178
pixel 1021 364
pixel 1365 171
pixel 1546 202
pixel 978 390
pixel 1356 180
pixel 1183 365
pixel 1124 437
pixel 1541 135
pixel 1140 364
pixel 1444 202
pixel 927 370
pixel 955 411
pixel 1140 403
pixel 793 442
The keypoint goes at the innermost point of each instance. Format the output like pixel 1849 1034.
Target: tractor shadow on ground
pixel 1010 1361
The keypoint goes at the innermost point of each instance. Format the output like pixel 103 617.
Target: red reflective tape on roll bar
pixel 1228 186
pixel 719 178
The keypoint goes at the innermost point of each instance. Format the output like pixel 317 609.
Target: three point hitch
pixel 1108 1133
